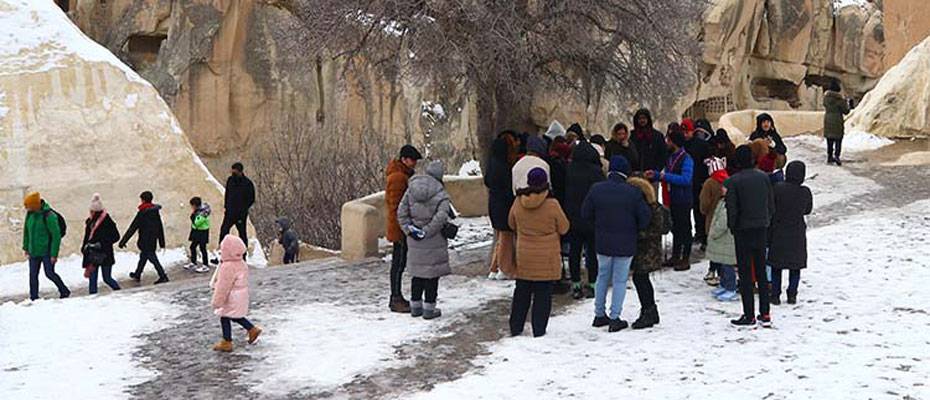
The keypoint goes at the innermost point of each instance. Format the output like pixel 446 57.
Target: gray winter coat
pixel 426 205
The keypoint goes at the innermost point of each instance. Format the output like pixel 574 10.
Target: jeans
pixel 149 256
pixel 615 271
pixel 46 262
pixel 727 276
pixel 419 286
pixel 681 232
pixel 750 254
pixel 203 252
pixel 586 243
pixel 537 293
pixel 794 279
pixel 834 148
pixel 398 264
pixel 644 290
pixel 240 224
pixel 107 278
pixel 227 327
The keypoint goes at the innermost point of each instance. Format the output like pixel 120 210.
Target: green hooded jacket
pixel 41 236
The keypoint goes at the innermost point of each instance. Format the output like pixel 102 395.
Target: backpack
pixel 666 223
pixel 62 225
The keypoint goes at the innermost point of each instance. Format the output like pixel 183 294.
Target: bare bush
pixel 306 173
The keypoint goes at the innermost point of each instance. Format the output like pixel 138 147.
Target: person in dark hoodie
pixel 676 179
pixel 835 107
pixel 750 204
pixel 765 129
pixel 239 198
pixel 151 234
pixel 287 238
pixel 788 248
pixel 499 182
pixel 649 142
pixel 621 145
pixel 700 151
pixel 583 172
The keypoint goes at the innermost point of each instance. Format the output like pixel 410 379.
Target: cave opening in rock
pixel 711 108
pixel 143 50
pixel 775 89
pixel 822 81
pixel 65 5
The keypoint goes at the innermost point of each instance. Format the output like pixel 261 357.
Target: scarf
pixel 145 206
pixel 670 166
pixel 90 268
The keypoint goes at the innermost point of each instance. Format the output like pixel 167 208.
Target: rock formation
pixel 74 120
pixel 899 106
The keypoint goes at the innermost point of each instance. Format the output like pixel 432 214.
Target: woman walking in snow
pixel 100 234
pixel 422 213
pixel 648 257
pixel 230 285
pixel 788 250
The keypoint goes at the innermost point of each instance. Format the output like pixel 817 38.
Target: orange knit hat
pixel 32 201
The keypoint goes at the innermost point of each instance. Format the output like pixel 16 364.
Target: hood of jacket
pixel 644 186
pixel 148 207
pixel 642 111
pixel 283 223
pixel 232 248
pixel 836 95
pixel 436 170
pixel 586 153
pixel 204 210
pixel 423 187
pixel 795 171
pixel 764 117
pixel 534 201
pixel 396 166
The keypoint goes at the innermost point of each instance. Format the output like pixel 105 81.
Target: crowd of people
pixel 607 204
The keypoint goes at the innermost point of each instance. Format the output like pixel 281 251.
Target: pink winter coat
pixel 231 280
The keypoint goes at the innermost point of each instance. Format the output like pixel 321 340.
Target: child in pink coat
pixel 230 285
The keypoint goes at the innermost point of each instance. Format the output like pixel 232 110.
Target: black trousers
pixel 203 252
pixel 398 264
pixel 149 256
pixel 681 231
pixel 227 327
pixel 419 286
pixel 290 258
pixel 834 148
pixel 700 221
pixel 644 290
pixel 239 222
pixel 527 293
pixel 750 257
pixel 578 243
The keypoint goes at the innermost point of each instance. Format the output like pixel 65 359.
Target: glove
pixel 416 233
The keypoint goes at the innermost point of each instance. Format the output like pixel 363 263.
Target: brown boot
pixel 683 264
pixel 253 334
pixel 224 346
pixel 671 262
pixel 399 305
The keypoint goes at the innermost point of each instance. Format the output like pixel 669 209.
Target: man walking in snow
pixel 151 233
pixel 41 241
pixel 240 196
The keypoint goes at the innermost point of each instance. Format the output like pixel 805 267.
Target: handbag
pixel 450 230
pixel 94 254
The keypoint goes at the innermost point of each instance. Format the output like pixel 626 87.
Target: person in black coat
pixel 498 180
pixel 700 151
pixel 788 248
pixel 750 205
pixel 649 142
pixel 621 145
pixel 765 129
pixel 100 233
pixel 151 233
pixel 240 196
pixel 583 172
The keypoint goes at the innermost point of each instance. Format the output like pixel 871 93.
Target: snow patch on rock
pixel 470 168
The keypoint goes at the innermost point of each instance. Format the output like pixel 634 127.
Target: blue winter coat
pixel 679 178
pixel 618 212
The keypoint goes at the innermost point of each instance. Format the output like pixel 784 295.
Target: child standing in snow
pixel 230 285
pixel 721 250
pixel 288 238
pixel 788 249
pixel 200 233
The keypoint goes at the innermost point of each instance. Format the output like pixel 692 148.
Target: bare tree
pixel 506 52
pixel 306 172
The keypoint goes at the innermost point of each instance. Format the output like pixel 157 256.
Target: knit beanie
pixel 620 164
pixel 537 178
pixel 576 128
pixel 32 201
pixel 96 205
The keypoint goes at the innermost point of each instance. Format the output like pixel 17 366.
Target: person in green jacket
pixel 835 106
pixel 200 234
pixel 41 242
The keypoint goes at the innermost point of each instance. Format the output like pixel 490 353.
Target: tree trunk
pixel 497 111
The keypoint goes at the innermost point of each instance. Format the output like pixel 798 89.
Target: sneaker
pixel 715 281
pixel 710 275
pixel 161 280
pixel 189 266
pixel 201 268
pixel 717 292
pixel 838 162
pixel 775 300
pixel 765 321
pixel 134 276
pixel 501 276
pixel 600 322
pixel 728 296
pixel 617 325
pixel 577 291
pixel 744 321
pixel 492 276
pixel 792 299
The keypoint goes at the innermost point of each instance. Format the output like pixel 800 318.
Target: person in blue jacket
pixel 676 194
pixel 618 212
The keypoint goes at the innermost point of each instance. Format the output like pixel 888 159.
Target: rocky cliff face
pixel 74 120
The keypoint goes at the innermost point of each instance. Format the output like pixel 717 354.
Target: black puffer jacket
pixel 793 201
pixel 749 199
pixel 498 180
pixel 699 150
pixel 771 134
pixel 582 173
pixel 650 145
pixel 151 230
pixel 240 196
pixel 106 235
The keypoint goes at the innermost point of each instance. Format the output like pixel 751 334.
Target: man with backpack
pixel 42 235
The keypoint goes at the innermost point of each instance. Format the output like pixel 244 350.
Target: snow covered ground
pixel 318 346
pixel 78 348
pixel 828 183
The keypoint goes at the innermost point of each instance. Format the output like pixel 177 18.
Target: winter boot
pixel 224 345
pixel 589 294
pixel 683 264
pixel 253 334
pixel 617 325
pixel 577 291
pixel 775 300
pixel 430 311
pixel 837 162
pixel 647 319
pixel 399 305
pixel 765 321
pixel 162 279
pixel 671 262
pixel 793 299
pixel 136 277
pixel 416 308
pixel 600 322
pixel 744 321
